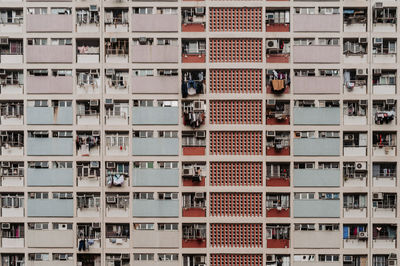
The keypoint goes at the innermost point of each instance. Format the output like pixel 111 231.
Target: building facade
pixel 193 133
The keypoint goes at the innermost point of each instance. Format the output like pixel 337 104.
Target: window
pixel 168 134
pixel 143 256
pixel 304 42
pixel 328 258
pixel 60 226
pixel 168 165
pixel 37 10
pixel 167 11
pixel 149 226
pixel 61 11
pixel 305 165
pixel 142 134
pixel 328 196
pixel 168 257
pixel 162 41
pixel 143 195
pixel 328 10
pixel 38 256
pixel 143 103
pixel 304 227
pixel 143 165
pixel 12 201
pixel 62 134
pixel 38 226
pixel 328 227
pixel 168 196
pixel 304 195
pixel 143 73
pixel 62 164
pixel 167 103
pixel 167 227
pixel 38 195
pixel 37 41
pixel 62 195
pixel 60 41
pixel 305 10
pixel 62 72
pixel 143 10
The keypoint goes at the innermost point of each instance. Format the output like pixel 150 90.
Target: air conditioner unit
pixel 113 39
pixel 200 134
pixel 347 258
pixel 390 101
pixel 111 199
pixel 110 72
pixel 362 234
pixel 362 40
pixel 94 164
pixel 109 101
pixel 5 226
pixel 110 164
pixel 272 44
pixel 378 40
pixel 96 225
pixel 142 40
pixel 271 258
pixel 93 8
pixel 5 164
pixel 94 102
pixel 271 134
pixel 378 5
pixel 2 72
pixel 349 137
pixel 362 72
pixel 199 10
pixel 188 172
pixel 271 103
pixel 199 195
pixel 3 41
pixel 361 166
pixel 377 71
pixel 198 106
pixel 95 133
pixel 377 196
pixel 62 227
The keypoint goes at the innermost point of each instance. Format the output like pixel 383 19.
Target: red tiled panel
pixel 235 50
pixel 276 213
pixel 236 19
pixel 236 174
pixel 236 80
pixel 202 243
pixel 193 27
pixel 199 151
pixel 236 204
pixel 201 58
pixel 278 27
pixel 278 182
pixel 277 243
pixel 278 58
pixel 236 112
pixel 236 143
pixel 274 121
pixel 194 212
pixel 187 182
pixel 273 152
pixel 236 235
pixel 236 260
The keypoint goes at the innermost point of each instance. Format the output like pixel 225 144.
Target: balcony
pixel 316 177
pixel 155 146
pixel 316 54
pixel 49 84
pixel 154 23
pixel 49 115
pixel 50 208
pixel 155 54
pixel 155 84
pixel 384 243
pixel 88 54
pixel 50 177
pixel 49 23
pixel 388 58
pixel 49 146
pixel 12 24
pixel 316 85
pixel 155 115
pixel 155 177
pixel 316 116
pixel 12 53
pixel 49 54
pixel 50 239
pixel 316 23
pixel 155 208
pixel 316 146
pixel 316 208
pixel 155 239
pixel 316 239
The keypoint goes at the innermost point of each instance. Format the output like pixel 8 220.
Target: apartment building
pixel 198 133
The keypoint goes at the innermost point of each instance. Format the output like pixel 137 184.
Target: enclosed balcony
pixel 117 113
pixel 355 143
pixel 12 174
pixel 88 112
pixel 58 82
pixel 278 112
pixel 164 20
pixel 12 143
pixel 117 205
pixel 277 50
pixel 307 51
pixel 355 236
pixel 12 52
pixel 88 204
pixel 88 81
pixel 88 174
pixel 11 113
pixel 58 51
pixel 384 81
pixel 13 235
pixel 60 174
pixel 278 205
pixel 117 236
pixel 326 144
pixel 41 144
pixel 355 174
pixel 384 205
pixel 88 232
pixel 355 51
pixel 384 236
pixel 144 144
pixel 155 208
pixel 306 82
pixel 193 51
pixel 193 113
pixel 194 19
pixel 116 51
pixel 384 51
pixel 194 174
pixel 194 235
pixel 61 205
pixel 384 174
pixel 355 81
pixel 384 19
pixel 117 175
pixel 355 112
pixel 164 113
pixel 327 205
pixel 13 205
pixel 116 81
pixel 384 112
pixel 87 19
pixel 116 20
pixel 11 20
pixel 355 19
pixel 308 113
pixel 277 20
pixel 162 81
pixel 39 113
pixel 384 143
pixel 58 20
pixel 163 51
pixel 87 143
pixel 278 143
pixel 12 82
pixel 278 236
pixel 306 20
pixel 193 83
pixel 278 81
pixel 355 205
pixel 278 174
pixel 88 51
pixel 117 143
pixel 194 204
pixel 194 143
